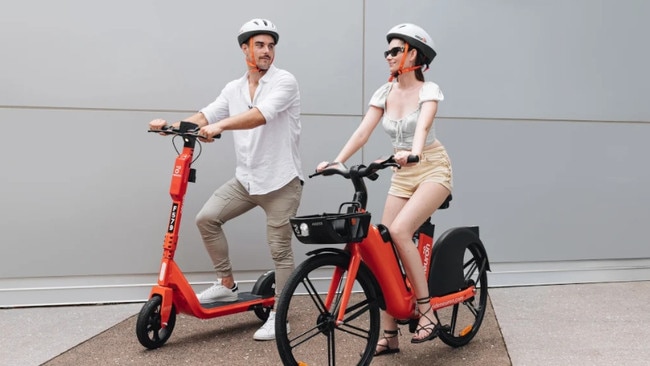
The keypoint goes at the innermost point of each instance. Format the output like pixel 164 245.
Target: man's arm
pixel 197 118
pixel 244 121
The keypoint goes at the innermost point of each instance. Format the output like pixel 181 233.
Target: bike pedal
pixel 466 330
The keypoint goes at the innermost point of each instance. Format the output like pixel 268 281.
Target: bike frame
pixel 172 285
pixel 397 293
pixel 380 256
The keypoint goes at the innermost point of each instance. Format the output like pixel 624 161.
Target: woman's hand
pixel 326 164
pixel 322 165
pixel 402 156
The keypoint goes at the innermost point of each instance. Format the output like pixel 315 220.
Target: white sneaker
pixel 218 292
pixel 267 331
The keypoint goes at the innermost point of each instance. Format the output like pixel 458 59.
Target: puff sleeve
pixel 379 98
pixel 430 91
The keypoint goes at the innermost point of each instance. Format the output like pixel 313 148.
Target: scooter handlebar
pixel 186 129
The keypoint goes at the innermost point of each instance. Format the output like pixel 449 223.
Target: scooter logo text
pixel 172 218
pixel 177 171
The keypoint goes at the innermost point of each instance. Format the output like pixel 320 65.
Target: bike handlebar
pixel 356 174
pixel 363 171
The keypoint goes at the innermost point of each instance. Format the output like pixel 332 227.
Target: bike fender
pixel 446 273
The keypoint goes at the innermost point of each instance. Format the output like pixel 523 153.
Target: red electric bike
pixel 332 299
pixel 173 294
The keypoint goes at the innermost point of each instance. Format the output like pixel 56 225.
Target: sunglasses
pixel 393 51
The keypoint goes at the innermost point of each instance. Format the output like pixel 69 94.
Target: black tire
pixel 314 338
pixel 264 287
pixel 148 328
pixel 461 322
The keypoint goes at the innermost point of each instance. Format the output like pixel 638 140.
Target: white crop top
pixel 401 131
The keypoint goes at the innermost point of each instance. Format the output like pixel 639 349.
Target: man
pixel 262 108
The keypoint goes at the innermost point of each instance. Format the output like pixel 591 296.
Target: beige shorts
pixel 434 166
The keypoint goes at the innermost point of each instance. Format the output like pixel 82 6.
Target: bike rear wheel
pixel 461 322
pixel 312 336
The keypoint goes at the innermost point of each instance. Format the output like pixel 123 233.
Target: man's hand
pixel 208 132
pixel 157 124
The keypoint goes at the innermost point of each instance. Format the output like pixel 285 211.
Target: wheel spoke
pixel 331 348
pixel 469 272
pixel 355 331
pixel 305 336
pixel 313 294
pixel 356 310
pixel 470 306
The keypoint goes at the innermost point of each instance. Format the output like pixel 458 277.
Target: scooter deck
pixel 243 297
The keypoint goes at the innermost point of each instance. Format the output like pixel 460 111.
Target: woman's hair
pixel 419 61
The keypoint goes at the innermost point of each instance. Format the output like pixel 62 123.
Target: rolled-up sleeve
pixel 285 93
pixel 219 109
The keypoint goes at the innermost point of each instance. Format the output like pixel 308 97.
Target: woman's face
pixel 394 55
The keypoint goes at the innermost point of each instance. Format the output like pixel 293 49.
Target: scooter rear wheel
pixel 264 287
pixel 149 329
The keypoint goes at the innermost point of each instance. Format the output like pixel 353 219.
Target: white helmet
pixel 416 37
pixel 257 26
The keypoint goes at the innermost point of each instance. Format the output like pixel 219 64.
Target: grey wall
pixel 543 120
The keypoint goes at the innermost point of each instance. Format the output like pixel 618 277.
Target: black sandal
pixel 385 349
pixel 432 326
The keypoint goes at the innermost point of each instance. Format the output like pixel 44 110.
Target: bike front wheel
pixel 305 327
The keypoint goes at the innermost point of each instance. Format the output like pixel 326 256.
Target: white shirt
pixel 267 156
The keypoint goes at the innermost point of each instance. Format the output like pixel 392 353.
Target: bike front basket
pixel 331 228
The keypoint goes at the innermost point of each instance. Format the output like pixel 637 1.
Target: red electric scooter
pixel 173 294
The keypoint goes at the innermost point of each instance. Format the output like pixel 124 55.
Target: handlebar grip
pixel 412 159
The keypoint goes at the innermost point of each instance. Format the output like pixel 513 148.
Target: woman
pixel 406 107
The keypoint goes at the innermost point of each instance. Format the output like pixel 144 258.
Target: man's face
pixel 263 51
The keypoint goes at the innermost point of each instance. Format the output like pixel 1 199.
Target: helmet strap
pixel 400 69
pixel 251 62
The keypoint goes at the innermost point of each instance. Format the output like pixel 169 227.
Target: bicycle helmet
pixel 257 26
pixel 416 37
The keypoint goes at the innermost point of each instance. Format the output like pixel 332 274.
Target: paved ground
pixel 228 341
pixel 588 324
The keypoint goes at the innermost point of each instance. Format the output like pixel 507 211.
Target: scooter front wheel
pixel 149 328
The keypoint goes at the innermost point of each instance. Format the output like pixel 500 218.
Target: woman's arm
pixel 428 112
pixel 361 135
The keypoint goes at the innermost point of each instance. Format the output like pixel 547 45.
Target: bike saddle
pixel 446 203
